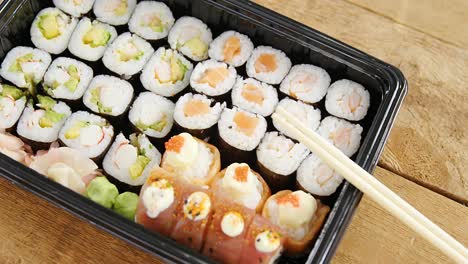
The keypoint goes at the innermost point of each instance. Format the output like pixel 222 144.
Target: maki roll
pixel 12 103
pixel 51 30
pixel 127 54
pixel 40 124
pixel 268 65
pixel 108 95
pixel 67 79
pixel 278 159
pixel 25 66
pixel 90 134
pixel 130 160
pixel 191 37
pixel 213 78
pixel 348 100
pixel 254 96
pixel 73 7
pixel 191 159
pixel 152 115
pixel 114 12
pixel 151 20
pixel 232 48
pixel 307 114
pixel 166 73
pixel 307 83
pixel 299 215
pixel 15 148
pixel 197 114
pixel 90 39
pixel 342 134
pixel 317 178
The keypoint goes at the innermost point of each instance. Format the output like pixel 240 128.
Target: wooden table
pixel 425 160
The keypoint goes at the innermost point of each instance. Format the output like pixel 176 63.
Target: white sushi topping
pixel 65 175
pixel 111 97
pixel 243 185
pixel 186 154
pixel 91 135
pixel 232 224
pixel 267 241
pixel 125 156
pixel 197 206
pixel 158 197
pixel 296 209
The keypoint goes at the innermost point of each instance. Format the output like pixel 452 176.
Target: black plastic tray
pixel 386 84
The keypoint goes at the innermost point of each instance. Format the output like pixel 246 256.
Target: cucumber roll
pixel 75 8
pixel 231 47
pixel 254 96
pixel 268 65
pixel 114 12
pixel 151 20
pixel 213 78
pixel 12 103
pixel 191 37
pixel 348 100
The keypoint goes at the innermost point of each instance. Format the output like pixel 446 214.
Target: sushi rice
pixel 232 48
pixel 268 65
pixel 191 37
pixel 73 7
pixel 12 103
pixel 114 12
pixel 151 20
pixel 254 96
pixel 196 111
pixel 348 100
pixel 213 78
pixel 344 135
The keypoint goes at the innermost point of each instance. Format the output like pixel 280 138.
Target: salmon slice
pixel 266 63
pixel 196 107
pixel 214 76
pixel 252 94
pixel 245 123
pixel 232 48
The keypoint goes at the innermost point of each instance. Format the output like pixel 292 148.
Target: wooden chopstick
pixel 370 186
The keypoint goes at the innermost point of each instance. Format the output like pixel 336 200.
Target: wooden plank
pixel 429 142
pixel 375 236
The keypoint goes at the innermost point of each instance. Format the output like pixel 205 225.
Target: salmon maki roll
pixel 254 96
pixel 231 47
pixel 268 65
pixel 213 78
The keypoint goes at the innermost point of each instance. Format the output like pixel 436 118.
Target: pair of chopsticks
pixel 371 187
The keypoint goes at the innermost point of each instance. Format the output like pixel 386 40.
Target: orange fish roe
pixel 196 107
pixel 266 63
pixel 252 93
pixel 232 48
pixel 241 173
pixel 214 76
pixel 175 143
pixel 245 123
pixel 289 198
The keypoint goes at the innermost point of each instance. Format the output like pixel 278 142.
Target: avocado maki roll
pixel 76 8
pixel 114 12
pixel 12 103
pixel 151 20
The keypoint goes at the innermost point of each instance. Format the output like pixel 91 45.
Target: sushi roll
pixel 268 65
pixel 108 95
pixel 254 96
pixel 90 39
pixel 242 185
pixel 213 78
pixel 51 30
pixel 191 37
pixel 192 159
pixel 40 124
pixel 307 114
pixel 114 12
pixel 130 160
pixel 90 134
pixel 167 73
pixel 12 103
pixel 15 148
pixel 25 66
pixel 197 114
pixel 348 100
pixel 342 134
pixel 74 7
pixel 151 20
pixel 317 178
pixel 127 54
pixel 232 48
pixel 67 79
pixel 278 159
pixel 299 215
pixel 306 82
pixel 152 115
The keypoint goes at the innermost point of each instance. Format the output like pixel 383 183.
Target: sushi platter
pixel 152 120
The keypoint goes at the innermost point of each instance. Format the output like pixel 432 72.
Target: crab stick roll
pixel 25 66
pixel 213 78
pixel 152 115
pixel 226 232
pixel 307 114
pixel 12 103
pixel 342 134
pixel 263 243
pixel 348 100
pixel 299 215
pixel 232 48
pixel 306 82
pixel 15 148
pixel 108 95
pixel 114 12
pixel 151 20
pixel 130 160
pixel 127 54
pixel 40 124
pixel 67 79
pixel 167 72
pixel 268 65
pixel 191 37
pixel 197 114
pixel 90 39
pixel 240 184
pixel 76 8
pixel 192 159
pixel 317 178
pixel 90 134
pixel 254 96
pixel 278 159
pixel 51 30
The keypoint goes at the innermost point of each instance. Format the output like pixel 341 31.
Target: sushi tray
pixel 152 120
